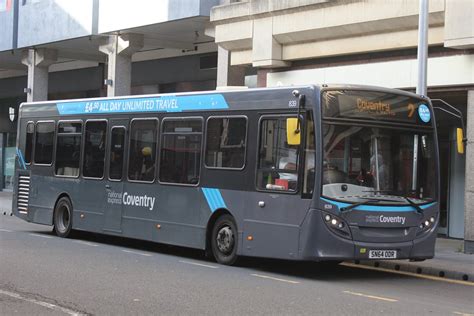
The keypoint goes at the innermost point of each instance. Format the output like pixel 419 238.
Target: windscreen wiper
pixel 350 207
pixel 418 209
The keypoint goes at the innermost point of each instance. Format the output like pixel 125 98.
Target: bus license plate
pixel 382 254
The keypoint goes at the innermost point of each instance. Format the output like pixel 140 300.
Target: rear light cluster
pixel 337 225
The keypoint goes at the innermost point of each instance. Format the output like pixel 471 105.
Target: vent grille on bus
pixel 23 193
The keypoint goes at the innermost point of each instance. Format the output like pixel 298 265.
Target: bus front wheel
pixel 224 240
pixel 62 219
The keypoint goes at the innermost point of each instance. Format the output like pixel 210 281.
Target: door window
pixel 117 147
pixel 278 162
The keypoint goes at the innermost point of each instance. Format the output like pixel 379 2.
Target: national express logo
pixel 125 198
pixel 385 219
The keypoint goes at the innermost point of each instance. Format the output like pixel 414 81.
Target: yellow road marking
pixel 275 279
pixel 423 276
pixel 371 296
pixel 463 314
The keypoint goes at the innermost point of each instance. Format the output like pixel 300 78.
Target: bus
pixel 314 173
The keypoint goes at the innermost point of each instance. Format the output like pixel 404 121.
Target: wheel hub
pixel 225 240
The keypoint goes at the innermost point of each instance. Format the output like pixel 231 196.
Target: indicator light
pixel 250 238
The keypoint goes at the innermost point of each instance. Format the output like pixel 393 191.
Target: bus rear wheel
pixel 224 240
pixel 62 219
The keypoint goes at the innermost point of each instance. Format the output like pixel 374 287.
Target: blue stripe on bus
pixel 379 208
pixel 214 198
pixel 168 103
pixel 21 159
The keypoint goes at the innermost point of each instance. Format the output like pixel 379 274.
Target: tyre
pixel 62 218
pixel 224 240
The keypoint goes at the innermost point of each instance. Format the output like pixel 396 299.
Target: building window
pixel 181 151
pixel 94 149
pixel 142 151
pixel 117 149
pixel 30 134
pixel 44 143
pixel 225 142
pixel 68 152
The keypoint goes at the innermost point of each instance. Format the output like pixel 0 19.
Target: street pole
pixel 422 73
pixel 422 47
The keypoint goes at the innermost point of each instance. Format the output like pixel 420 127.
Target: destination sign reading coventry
pixel 149 104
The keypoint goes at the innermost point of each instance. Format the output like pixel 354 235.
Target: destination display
pixel 375 105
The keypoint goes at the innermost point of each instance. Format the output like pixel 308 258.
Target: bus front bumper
pixel 318 243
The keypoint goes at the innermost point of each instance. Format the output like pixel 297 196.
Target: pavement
pixel 449 262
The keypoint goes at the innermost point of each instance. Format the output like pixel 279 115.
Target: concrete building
pixel 62 49
pixel 366 42
pixel 58 49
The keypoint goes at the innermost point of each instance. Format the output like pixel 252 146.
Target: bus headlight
pixel 337 225
pixel 426 224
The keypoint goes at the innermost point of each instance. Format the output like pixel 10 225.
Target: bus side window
pixel 142 150
pixel 94 149
pixel 30 132
pixel 225 142
pixel 277 160
pixel 44 143
pixel 117 146
pixel 180 159
pixel 68 151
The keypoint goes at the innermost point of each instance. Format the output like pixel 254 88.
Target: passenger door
pixel 115 175
pixel 276 209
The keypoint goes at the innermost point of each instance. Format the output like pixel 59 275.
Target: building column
pixel 119 50
pixel 228 75
pixel 38 62
pixel 469 188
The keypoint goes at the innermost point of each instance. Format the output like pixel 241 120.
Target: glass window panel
pixel 181 152
pixel 30 131
pixel 142 151
pixel 94 149
pixel 278 161
pixel 117 147
pixel 68 152
pixel 44 143
pixel 225 145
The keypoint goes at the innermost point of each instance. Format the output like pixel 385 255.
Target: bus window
pixel 30 131
pixel 117 146
pixel 278 161
pixel 68 152
pixel 142 150
pixel 44 143
pixel 94 149
pixel 225 142
pixel 181 151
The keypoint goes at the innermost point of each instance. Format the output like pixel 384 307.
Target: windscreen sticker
pixel 152 104
pixel 424 113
